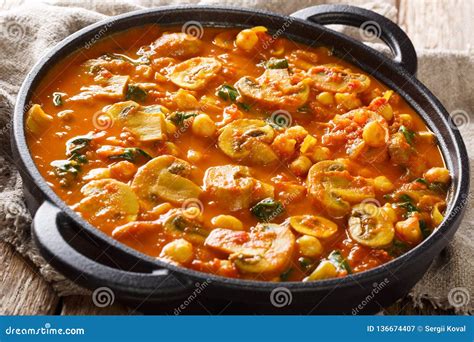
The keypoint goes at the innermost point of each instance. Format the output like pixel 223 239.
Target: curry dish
pixel 237 153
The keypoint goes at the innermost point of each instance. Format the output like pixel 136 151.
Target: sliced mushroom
pixel 165 178
pixel 113 89
pixel 274 88
pixel 233 187
pixel 248 140
pixel 267 248
pixel 371 226
pixel 195 73
pixel 37 121
pixel 335 79
pixel 109 201
pixel 147 123
pixel 313 225
pixel 177 44
pixel 334 188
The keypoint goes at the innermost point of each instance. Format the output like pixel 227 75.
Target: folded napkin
pixel 28 31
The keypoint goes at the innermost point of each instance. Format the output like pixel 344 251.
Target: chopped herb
pixel 425 231
pixel 132 154
pixel 227 92
pixel 407 204
pixel 67 170
pixel 77 146
pixel 286 274
pixel 338 260
pixel 80 158
pixel 182 224
pixel 274 63
pixel 305 263
pixel 244 106
pixel 397 248
pixel 422 181
pixel 408 134
pixel 405 198
pixel 69 166
pixel 58 99
pixel 135 93
pixel 94 69
pixel 178 118
pixel 440 188
pixel 267 209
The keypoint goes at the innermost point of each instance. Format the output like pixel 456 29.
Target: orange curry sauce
pixel 321 216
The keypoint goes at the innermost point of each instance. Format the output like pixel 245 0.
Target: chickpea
pixel 99 173
pixel 347 100
pixel 301 165
pixel 320 153
pixel 326 98
pixel 324 270
pixel 227 222
pixel 389 213
pixel 406 120
pixel 284 146
pixel 381 106
pixel 438 175
pixel 374 134
pixel 246 39
pixel 203 126
pixel 194 156
pixel 298 133
pixel 308 143
pixel 383 184
pixel 123 170
pixel 309 246
pixel 409 230
pixel 178 250
pixel 185 100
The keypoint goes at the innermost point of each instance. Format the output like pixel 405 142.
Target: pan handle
pixel 161 283
pixel 369 21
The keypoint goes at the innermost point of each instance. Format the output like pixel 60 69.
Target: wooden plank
pixel 438 24
pixel 23 291
pixel 83 305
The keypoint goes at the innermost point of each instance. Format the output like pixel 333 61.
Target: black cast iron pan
pixel 93 260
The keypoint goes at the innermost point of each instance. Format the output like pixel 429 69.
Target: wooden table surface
pixel 432 24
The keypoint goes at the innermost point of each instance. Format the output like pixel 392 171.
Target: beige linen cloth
pixel 26 32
